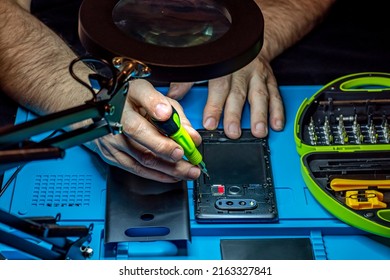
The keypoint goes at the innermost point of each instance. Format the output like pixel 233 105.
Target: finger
pixel 235 103
pixel 258 99
pixel 142 94
pixel 276 108
pixel 136 158
pixel 122 160
pixel 217 95
pixel 178 90
pixel 141 130
pixel 181 169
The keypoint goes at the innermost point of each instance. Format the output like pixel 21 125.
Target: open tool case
pixel 342 134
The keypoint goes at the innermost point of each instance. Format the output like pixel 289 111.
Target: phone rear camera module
pixel 236 204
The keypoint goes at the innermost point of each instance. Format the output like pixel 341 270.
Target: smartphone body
pixel 240 188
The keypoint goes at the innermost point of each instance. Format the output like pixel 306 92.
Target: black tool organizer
pixel 342 134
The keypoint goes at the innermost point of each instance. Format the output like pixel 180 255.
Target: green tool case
pixel 342 134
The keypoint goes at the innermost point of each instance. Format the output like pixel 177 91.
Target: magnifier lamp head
pixel 180 40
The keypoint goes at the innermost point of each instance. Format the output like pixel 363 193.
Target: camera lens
pixel 234 189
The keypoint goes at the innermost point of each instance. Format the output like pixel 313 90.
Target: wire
pixel 88 59
pixel 11 179
pixel 74 76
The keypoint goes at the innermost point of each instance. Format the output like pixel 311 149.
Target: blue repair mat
pixel 75 187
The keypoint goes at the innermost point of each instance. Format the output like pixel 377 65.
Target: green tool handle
pixel 173 129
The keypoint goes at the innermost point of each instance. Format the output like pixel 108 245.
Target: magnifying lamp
pixel 180 40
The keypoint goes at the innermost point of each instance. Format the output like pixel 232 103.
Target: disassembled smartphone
pixel 240 188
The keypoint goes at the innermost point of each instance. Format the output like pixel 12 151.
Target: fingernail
pixel 177 154
pixel 261 128
pixel 210 123
pixel 162 111
pixel 234 129
pixel 194 173
pixel 278 124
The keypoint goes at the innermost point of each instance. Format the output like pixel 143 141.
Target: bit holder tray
pixel 342 134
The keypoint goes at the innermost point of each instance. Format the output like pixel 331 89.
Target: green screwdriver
pixel 173 129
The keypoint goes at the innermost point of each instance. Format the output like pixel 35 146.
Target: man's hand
pixel 255 83
pixel 142 149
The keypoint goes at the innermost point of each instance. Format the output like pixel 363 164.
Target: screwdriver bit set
pixel 342 134
pixel 365 125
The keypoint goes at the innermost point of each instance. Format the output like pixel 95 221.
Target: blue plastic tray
pixel 75 187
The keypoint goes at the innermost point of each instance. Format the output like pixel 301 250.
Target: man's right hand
pixel 142 149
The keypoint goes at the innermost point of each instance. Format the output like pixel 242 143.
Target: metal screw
pixel 109 109
pixel 369 215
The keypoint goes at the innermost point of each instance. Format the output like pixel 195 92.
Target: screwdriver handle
pixel 173 129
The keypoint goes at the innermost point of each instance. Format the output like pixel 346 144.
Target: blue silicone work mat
pixel 75 187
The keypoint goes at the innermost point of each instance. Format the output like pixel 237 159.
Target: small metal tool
pixel 327 132
pixel 357 131
pixel 341 131
pixel 312 132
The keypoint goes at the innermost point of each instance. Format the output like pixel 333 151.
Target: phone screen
pixel 243 163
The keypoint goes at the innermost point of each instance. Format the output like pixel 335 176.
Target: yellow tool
pixel 360 200
pixel 339 184
pixel 173 129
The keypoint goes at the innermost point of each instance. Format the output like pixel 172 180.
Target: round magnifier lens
pixel 172 23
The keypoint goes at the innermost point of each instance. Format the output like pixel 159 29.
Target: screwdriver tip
pixel 202 167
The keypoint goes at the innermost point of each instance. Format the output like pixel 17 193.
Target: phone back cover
pixel 139 209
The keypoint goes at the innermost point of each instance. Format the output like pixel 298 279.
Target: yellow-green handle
pixel 185 141
pixel 173 129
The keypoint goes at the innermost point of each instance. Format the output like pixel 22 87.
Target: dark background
pixel 352 38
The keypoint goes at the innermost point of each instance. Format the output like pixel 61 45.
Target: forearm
pixel 34 63
pixel 287 21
